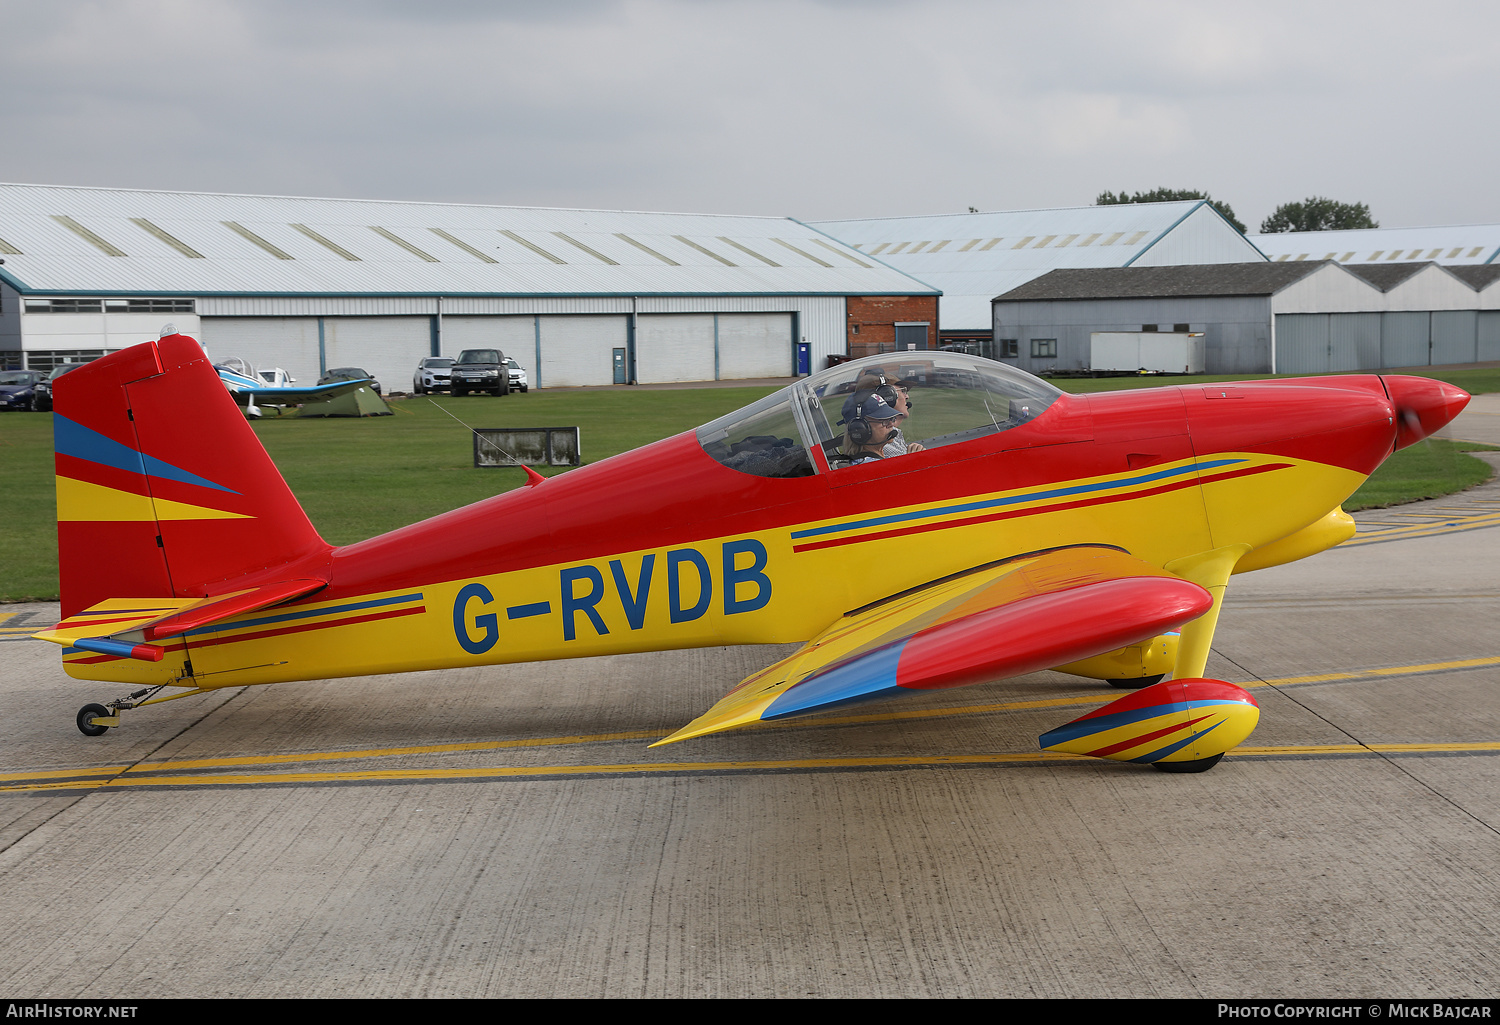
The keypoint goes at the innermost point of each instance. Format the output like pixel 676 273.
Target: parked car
pixel 518 381
pixel 481 370
pixel 435 373
pixel 18 388
pixel 43 399
pixel 350 374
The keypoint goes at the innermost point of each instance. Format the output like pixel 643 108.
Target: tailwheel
pixel 1196 765
pixel 1137 682
pixel 86 716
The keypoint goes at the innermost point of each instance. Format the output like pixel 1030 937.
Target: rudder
pixel 162 487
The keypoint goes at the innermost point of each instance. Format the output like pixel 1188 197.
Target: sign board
pixel 533 446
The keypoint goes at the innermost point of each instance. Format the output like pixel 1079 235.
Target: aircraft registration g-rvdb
pixel 1005 528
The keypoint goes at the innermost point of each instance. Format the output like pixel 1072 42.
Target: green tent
pixel 361 401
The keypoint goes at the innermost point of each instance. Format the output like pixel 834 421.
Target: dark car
pixel 18 388
pixel 481 370
pixel 43 398
pixel 350 374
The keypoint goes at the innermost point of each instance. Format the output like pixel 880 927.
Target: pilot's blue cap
pixel 876 408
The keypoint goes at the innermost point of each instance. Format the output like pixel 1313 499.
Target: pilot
pixel 869 428
pixel 898 394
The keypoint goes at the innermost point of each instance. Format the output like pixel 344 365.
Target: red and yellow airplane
pixel 1004 529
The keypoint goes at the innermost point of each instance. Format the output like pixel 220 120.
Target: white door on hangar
pixel 755 345
pixel 290 343
pixel 674 347
pixel 579 350
pixel 389 348
pixel 513 335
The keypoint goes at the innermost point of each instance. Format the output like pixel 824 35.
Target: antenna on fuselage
pixel 532 477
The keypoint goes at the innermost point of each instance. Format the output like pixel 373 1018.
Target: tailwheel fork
pixel 95 720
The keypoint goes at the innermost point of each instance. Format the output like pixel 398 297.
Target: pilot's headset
pixel 856 427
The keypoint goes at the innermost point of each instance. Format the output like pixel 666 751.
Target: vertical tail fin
pixel 162 487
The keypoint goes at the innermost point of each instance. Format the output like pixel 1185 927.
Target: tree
pixel 1170 196
pixel 1318 214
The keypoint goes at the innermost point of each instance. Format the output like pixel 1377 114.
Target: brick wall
pixel 872 320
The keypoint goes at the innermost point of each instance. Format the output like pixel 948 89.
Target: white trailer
pixel 1156 352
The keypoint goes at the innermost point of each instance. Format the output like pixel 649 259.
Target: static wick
pixel 532 477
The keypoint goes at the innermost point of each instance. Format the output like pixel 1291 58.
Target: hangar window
pixel 1044 348
pixel 63 306
pixel 149 306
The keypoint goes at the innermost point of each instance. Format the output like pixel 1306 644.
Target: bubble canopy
pixel 938 398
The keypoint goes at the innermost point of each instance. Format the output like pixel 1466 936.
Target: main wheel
pixel 1198 765
pixel 1138 682
pixel 87 728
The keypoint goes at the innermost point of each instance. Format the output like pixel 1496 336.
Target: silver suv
pixel 432 375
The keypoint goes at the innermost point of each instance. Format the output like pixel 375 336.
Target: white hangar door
pixel 514 336
pixel 579 350
pixel 388 347
pixel 674 347
pixel 755 345
pixel 265 342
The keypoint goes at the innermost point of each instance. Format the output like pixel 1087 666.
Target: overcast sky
pixel 811 108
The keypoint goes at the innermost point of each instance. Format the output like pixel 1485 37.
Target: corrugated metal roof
pixel 1205 281
pixel 973 257
pixel 91 241
pixel 1451 245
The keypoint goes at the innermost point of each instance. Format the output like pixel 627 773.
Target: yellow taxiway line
pixel 478 774
pixel 1447 525
pixel 146 773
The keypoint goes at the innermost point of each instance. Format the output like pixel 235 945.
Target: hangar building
pixel 1289 317
pixel 578 297
pixel 976 256
pixel 1457 245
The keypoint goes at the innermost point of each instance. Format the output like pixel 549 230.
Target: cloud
pixel 817 108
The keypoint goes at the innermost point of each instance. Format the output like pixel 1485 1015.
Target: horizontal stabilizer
pixel 1027 614
pixel 123 626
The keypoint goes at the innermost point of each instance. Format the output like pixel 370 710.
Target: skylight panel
pixel 918 247
pixel 766 259
pixel 327 243
pixel 8 249
pixel 1045 242
pixel 592 252
pixel 533 247
pixel 1395 255
pixel 1476 251
pixel 877 249
pixel 1300 258
pixel 1330 256
pixel 969 245
pixel 1455 252
pixel 88 236
pixel 991 244
pixel 799 252
pixel 1416 254
pixel 647 250
pixel 1091 239
pixel 170 240
pixel 393 237
pixel 440 233
pixel 254 239
pixel 1376 254
pixel 706 252
pixel 898 247
pixel 1066 241
pixel 1283 257
pixel 852 259
pixel 1112 239
pixel 1133 239
pixel 1434 254
pixel 1346 257
pixel 1022 244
